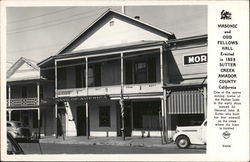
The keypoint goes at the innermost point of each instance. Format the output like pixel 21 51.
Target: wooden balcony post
pixel 161 65
pixel 55 79
pixel 55 98
pixel 87 106
pixel 122 99
pixel 38 93
pixel 205 101
pixel 9 94
pixel 163 121
pixel 38 118
pixel 165 114
pixel 9 111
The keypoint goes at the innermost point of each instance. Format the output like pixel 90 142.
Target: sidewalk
pixel 114 141
pixel 129 141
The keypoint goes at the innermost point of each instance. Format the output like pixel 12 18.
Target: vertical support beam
pixel 161 65
pixel 38 93
pixel 166 113
pixel 38 103
pixel 163 121
pixel 9 111
pixel 87 105
pixel 205 101
pixel 9 95
pixel 121 99
pixel 55 79
pixel 38 118
pixel 55 98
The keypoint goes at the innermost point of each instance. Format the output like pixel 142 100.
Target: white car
pixel 187 135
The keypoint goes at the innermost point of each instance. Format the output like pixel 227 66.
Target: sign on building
pixel 195 59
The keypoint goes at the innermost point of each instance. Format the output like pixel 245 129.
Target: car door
pixel 204 132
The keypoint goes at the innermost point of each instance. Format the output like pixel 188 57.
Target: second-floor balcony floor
pixel 114 90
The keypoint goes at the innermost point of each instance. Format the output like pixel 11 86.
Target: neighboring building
pixel 29 97
pixel 121 67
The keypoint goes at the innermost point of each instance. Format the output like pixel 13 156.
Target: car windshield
pixel 18 124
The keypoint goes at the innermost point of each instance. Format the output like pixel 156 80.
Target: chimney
pixel 137 17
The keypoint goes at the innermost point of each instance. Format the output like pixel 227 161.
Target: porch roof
pixel 49 62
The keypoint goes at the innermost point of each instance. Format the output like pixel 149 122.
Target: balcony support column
pixel 86 104
pixel 9 95
pixel 38 118
pixel 122 99
pixel 205 101
pixel 161 66
pixel 9 112
pixel 55 98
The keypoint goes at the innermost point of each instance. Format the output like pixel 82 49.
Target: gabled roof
pixel 109 12
pixel 19 63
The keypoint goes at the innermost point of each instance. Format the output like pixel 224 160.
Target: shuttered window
pixel 189 101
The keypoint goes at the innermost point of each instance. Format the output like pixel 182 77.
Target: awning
pixel 190 101
pixel 81 98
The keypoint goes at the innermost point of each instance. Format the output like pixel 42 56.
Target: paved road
pixel 48 148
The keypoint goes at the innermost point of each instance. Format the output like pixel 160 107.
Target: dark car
pixel 18 131
pixel 12 146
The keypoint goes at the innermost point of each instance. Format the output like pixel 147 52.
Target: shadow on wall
pixel 174 73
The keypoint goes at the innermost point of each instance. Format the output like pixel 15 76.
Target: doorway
pixel 81 121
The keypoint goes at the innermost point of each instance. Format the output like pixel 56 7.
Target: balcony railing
pixel 22 102
pixel 111 90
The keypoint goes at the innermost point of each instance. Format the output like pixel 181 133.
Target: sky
pixel 39 32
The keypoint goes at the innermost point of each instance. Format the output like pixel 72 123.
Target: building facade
pixel 121 76
pixel 29 97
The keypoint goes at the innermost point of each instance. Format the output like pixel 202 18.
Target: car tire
pixel 182 142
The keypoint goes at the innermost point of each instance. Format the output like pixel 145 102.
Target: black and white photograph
pixel 133 81
pixel 113 79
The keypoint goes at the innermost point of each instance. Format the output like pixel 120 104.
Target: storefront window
pixel 104 116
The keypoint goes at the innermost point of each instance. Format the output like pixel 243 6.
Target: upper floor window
pixel 141 74
pixel 24 92
pixel 142 71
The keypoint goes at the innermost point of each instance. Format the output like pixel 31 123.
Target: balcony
pixel 111 90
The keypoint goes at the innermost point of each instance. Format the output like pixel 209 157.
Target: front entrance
pixel 81 121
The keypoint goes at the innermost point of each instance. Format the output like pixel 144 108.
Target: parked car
pixel 12 146
pixel 187 135
pixel 17 130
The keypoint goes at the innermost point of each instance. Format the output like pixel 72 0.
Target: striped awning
pixel 185 102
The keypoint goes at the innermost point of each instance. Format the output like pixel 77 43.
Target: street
pixel 50 148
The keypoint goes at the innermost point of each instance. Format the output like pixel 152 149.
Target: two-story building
pixel 29 97
pixel 121 73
